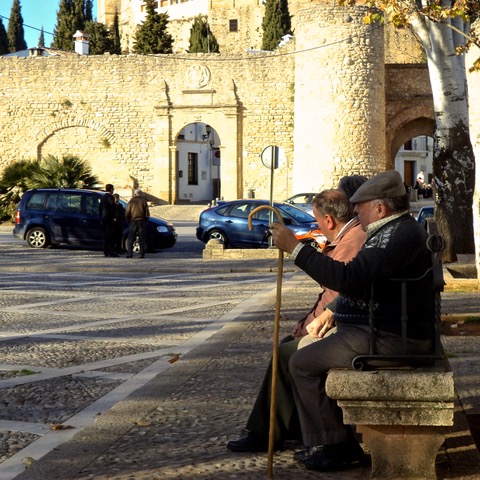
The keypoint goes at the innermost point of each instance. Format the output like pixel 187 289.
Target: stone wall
pixel 123 113
pixel 249 16
pixel 401 46
pixel 409 105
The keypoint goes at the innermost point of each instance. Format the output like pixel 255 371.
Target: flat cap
pixel 387 184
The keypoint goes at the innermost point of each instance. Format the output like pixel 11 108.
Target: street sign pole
pixel 270 159
pixel 273 165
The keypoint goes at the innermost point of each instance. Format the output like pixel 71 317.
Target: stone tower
pixel 339 97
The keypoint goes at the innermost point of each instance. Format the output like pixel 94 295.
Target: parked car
pixel 228 222
pixel 424 213
pixel 50 216
pixel 303 201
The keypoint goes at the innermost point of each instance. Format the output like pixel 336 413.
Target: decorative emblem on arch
pixel 198 76
pixel 44 134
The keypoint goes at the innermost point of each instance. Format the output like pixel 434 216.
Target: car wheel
pixel 218 235
pixel 37 237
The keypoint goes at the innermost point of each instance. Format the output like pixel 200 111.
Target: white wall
pixel 421 153
pixel 193 141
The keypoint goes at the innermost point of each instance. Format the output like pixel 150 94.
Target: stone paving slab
pixel 177 425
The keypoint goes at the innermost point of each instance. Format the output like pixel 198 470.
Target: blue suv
pixel 49 216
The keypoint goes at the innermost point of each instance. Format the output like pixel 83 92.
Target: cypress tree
pixel 78 15
pixel 276 23
pixel 88 11
pixel 3 39
pixel 15 34
pixel 115 35
pixel 72 15
pixel 41 39
pixel 152 36
pixel 65 27
pixel 202 39
pixel 99 38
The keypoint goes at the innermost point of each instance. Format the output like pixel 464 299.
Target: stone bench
pixel 403 416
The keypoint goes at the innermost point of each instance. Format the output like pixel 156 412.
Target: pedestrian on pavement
pixel 107 214
pixel 119 219
pixel 334 214
pixel 395 248
pixel 137 215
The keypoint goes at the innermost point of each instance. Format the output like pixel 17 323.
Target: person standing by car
pixel 119 217
pixel 137 214
pixel 107 214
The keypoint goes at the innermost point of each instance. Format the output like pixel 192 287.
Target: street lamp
pixel 208 129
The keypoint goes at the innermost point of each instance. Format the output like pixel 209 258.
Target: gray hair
pixel 335 203
pixel 137 192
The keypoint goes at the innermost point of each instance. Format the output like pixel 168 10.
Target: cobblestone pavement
pixel 155 370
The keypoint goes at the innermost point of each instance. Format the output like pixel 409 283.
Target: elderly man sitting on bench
pixel 395 248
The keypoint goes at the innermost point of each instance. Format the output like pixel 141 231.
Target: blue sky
pixel 36 13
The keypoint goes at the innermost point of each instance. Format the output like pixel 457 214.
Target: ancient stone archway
pixel 50 129
pixel 409 123
pixel 197 163
pixel 224 121
pixel 91 142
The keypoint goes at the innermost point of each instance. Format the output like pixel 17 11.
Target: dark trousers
pixel 118 237
pixel 108 237
pixel 137 228
pixel 287 426
pixel 320 417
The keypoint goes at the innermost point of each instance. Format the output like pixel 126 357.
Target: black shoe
pixel 129 256
pixel 302 455
pixel 339 456
pixel 142 256
pixel 249 443
pixel 113 255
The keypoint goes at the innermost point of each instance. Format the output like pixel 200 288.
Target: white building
pixel 414 157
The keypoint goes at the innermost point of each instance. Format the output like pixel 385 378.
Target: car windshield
pixel 301 216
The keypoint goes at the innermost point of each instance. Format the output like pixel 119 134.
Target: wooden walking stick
pixel 276 331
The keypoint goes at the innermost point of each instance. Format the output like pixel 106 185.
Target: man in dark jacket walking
pixel 137 215
pixel 107 214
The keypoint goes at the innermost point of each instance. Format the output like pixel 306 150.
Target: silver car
pixel 303 201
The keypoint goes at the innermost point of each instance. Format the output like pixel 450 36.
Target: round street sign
pixel 272 153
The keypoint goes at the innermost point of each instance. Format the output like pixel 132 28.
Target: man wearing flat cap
pixel 395 248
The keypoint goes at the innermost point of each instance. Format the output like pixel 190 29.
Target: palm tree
pixel 13 182
pixel 50 172
pixel 68 172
